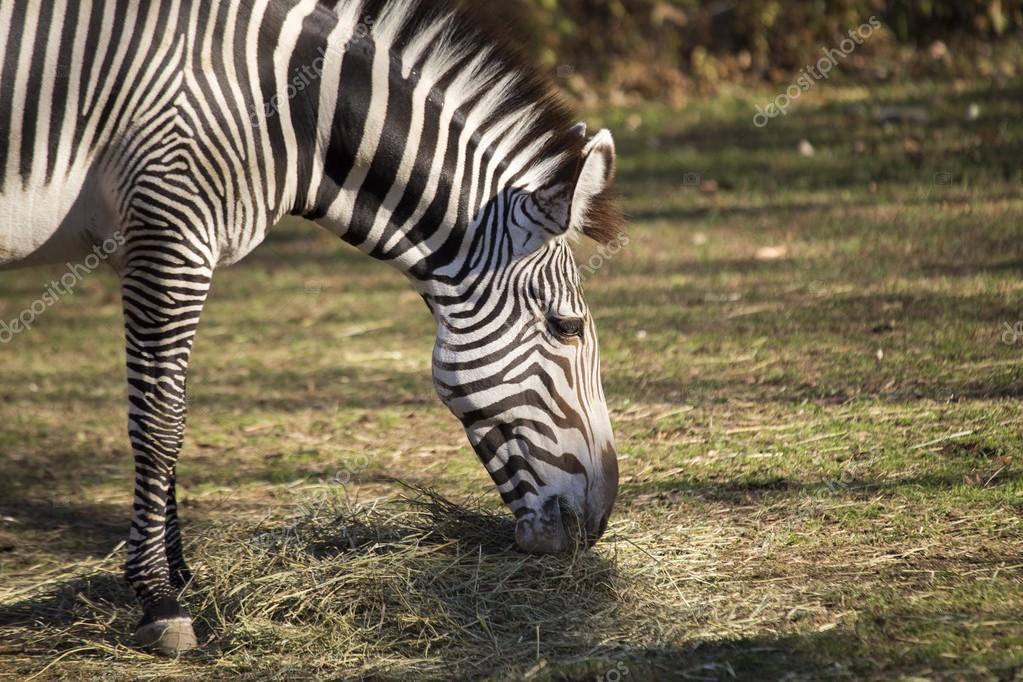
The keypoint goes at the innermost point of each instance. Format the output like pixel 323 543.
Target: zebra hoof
pixel 171 637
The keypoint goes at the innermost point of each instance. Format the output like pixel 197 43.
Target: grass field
pixel 815 376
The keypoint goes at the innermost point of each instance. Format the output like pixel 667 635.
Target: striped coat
pixel 167 137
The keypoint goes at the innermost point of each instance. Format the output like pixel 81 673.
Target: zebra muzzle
pixel 553 529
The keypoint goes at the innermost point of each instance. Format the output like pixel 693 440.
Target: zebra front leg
pixel 161 312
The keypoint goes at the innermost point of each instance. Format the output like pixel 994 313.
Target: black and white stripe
pixel 187 129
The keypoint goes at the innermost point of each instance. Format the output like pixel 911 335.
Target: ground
pixel 812 354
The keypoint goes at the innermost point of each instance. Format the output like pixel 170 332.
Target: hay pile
pixel 409 587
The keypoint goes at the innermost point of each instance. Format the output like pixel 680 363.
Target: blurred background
pixel 671 49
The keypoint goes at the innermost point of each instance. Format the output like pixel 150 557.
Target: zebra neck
pixel 417 135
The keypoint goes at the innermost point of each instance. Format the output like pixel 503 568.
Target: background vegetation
pixel 664 47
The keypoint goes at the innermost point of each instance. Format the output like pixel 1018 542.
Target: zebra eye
pixel 568 327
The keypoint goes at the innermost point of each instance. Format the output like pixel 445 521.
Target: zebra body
pixel 125 94
pixel 181 131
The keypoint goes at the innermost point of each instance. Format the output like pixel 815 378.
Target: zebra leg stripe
pixel 161 317
pixel 180 574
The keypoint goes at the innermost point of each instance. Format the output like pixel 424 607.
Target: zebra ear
pixel 596 174
pixel 565 204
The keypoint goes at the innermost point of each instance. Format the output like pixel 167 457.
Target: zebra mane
pixel 453 44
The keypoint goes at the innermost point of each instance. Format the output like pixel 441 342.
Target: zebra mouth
pixel 557 527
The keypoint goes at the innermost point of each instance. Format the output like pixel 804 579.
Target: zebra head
pixel 516 357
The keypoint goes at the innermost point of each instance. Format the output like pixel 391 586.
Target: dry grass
pixel 419 587
pixel 411 586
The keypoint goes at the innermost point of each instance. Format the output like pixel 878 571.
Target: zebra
pixel 182 131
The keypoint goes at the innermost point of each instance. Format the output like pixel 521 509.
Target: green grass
pixel 820 425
